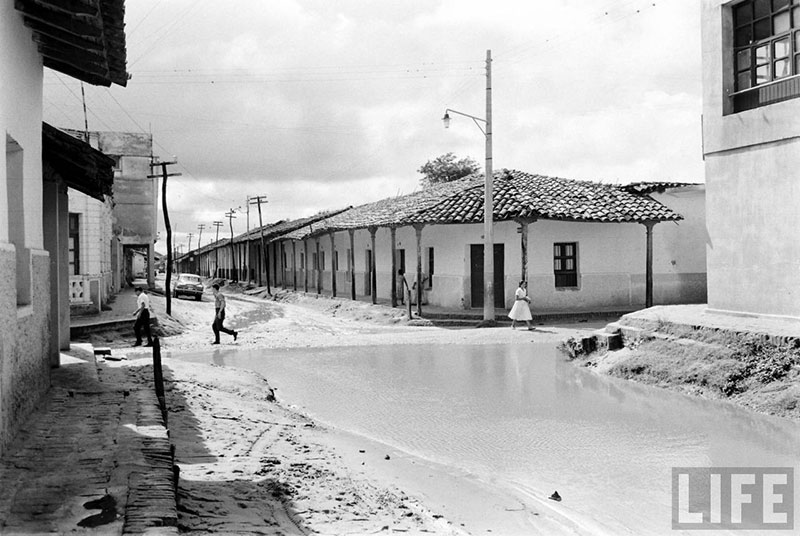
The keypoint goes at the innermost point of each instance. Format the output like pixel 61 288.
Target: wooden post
pixel 294 264
pixel 352 263
pixel 333 264
pixel 418 229
pixel 318 267
pixel 523 230
pixel 374 282
pixel 393 234
pixel 305 265
pixel 648 284
pixel 158 378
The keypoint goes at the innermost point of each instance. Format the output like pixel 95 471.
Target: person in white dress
pixel 521 309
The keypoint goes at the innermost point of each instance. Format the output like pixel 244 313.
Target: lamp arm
pixel 465 115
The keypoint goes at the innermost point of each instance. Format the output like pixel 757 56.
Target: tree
pixel 446 168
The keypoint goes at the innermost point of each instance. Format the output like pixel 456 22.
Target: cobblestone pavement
pixel 93 459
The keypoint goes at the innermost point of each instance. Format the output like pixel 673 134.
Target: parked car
pixel 188 285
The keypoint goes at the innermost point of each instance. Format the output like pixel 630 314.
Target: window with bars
pixel 766 50
pixel 565 264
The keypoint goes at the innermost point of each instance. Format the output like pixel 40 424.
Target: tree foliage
pixel 446 168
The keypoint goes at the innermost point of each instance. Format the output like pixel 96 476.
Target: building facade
pixel 38 168
pixel 581 246
pixel 751 146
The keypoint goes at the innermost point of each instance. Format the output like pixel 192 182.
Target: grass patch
pixel 753 372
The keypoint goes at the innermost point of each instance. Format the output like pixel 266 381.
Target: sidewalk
pixel 94 458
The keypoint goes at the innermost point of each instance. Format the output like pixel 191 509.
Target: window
pixel 302 261
pixel 766 52
pixel 74 244
pixel 321 261
pixel 565 264
pixel 335 266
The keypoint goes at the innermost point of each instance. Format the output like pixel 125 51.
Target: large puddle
pixel 522 418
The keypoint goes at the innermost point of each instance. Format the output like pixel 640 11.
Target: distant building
pixel 751 146
pixel 126 250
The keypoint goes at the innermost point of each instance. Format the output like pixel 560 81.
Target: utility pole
pixel 230 216
pixel 164 175
pixel 190 242
pixel 199 243
pixel 216 224
pixel 258 200
pixel 247 242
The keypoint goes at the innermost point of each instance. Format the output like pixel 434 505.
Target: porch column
pixel 318 267
pixel 294 264
pixel 284 264
pixel 56 238
pixel 305 265
pixel 648 279
pixel 393 234
pixel 374 276
pixel 333 264
pixel 523 230
pixel 352 263
pixel 418 229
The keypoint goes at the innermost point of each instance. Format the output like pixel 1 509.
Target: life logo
pixel 733 498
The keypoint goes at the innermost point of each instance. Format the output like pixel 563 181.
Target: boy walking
pixel 219 317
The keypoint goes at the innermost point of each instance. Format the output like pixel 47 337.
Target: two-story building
pixel 751 146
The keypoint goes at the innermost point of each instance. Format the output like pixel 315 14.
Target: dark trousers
pixel 143 321
pixel 217 325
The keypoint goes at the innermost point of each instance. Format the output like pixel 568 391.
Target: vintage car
pixel 188 285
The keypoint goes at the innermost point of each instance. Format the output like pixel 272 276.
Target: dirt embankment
pixel 745 370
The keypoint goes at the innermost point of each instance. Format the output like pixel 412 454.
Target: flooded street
pixel 519 417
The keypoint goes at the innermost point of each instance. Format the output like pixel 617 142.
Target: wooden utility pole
pixel 230 215
pixel 189 248
pixel 258 200
pixel 216 224
pixel 164 175
pixel 200 227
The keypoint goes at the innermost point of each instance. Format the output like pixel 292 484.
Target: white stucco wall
pixel 21 118
pixel 95 233
pixel 611 259
pixel 752 163
pixel 25 333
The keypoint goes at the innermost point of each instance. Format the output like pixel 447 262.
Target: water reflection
pixel 521 415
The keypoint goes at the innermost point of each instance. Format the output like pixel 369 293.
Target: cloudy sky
pixel 321 104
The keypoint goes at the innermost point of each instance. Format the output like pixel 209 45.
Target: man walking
pixel 219 318
pixel 142 315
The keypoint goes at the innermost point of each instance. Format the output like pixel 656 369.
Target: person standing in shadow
pixel 142 314
pixel 219 317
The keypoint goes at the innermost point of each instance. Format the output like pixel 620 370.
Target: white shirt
pixel 143 300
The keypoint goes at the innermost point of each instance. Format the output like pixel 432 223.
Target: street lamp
pixel 488 209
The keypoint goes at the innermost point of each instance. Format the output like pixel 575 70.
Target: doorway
pixel 476 275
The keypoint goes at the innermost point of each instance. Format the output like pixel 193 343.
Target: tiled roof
pixel 516 195
pixel 647 188
pixel 387 212
pixel 523 195
pixel 285 227
pixel 84 39
pixel 83 168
